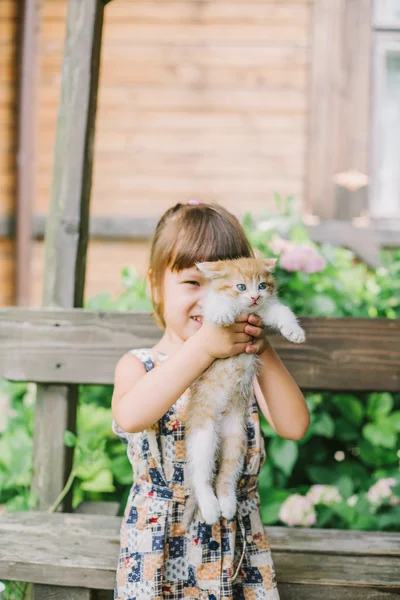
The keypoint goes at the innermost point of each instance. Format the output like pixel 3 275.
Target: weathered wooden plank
pixel 281 539
pixel 53 592
pixel 82 550
pixel 142 228
pixel 246 143
pixel 339 124
pixel 288 77
pixel 67 231
pixel 55 412
pixel 97 508
pixel 195 32
pixel 195 122
pixel 365 242
pixel 293 591
pixel 190 98
pixel 276 55
pixel 334 541
pixel 338 569
pixel 187 12
pixel 77 346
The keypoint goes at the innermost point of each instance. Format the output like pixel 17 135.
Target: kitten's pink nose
pixel 255 298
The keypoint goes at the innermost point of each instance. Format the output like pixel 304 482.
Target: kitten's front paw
pixel 210 510
pixel 222 320
pixel 228 506
pixel 294 334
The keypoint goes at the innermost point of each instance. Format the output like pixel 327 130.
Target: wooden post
pixel 67 232
pixel 339 122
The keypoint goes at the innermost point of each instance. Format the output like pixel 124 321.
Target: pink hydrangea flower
pixel 298 510
pixel 381 492
pixel 297 257
pixel 324 494
pixel 278 245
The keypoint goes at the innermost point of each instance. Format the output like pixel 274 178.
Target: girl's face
pixel 183 294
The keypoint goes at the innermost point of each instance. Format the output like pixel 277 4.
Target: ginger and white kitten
pixel 218 408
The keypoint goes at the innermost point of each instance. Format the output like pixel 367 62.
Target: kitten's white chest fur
pixel 216 430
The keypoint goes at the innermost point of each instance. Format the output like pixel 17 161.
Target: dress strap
pixel 145 355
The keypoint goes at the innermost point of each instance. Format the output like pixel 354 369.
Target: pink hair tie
pixel 193 201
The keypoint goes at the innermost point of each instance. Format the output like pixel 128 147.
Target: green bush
pixel 353 440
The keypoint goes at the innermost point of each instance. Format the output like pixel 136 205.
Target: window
pixel 385 192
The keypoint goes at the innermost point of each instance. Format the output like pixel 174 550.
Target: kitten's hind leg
pixel 233 448
pixel 201 446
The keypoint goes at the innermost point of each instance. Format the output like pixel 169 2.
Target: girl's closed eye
pixel 192 282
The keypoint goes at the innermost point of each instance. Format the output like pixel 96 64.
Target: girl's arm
pixel 280 399
pixel 140 399
pixel 278 395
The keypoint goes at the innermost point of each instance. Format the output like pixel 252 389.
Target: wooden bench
pixel 69 555
pixel 74 556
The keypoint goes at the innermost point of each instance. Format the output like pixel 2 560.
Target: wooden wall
pixel 8 79
pixel 204 99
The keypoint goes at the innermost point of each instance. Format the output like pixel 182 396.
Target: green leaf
pixel 376 456
pixel 379 404
pixel 389 520
pixel 283 454
pixel 344 511
pixel 266 478
pixel 324 425
pixel 322 305
pixel 354 471
pixel 70 439
pixel 345 431
pixel 346 486
pixel 350 407
pixel 271 503
pixel 364 522
pixel 122 470
pixel 324 515
pixel 381 434
pixel 266 428
pixel 321 475
pixel 395 420
pixel 102 482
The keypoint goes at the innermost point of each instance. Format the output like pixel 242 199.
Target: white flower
pixel 298 510
pixel 352 501
pixel 381 491
pixel 324 494
pixel 339 456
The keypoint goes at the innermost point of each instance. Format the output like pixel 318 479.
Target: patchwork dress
pixel 230 560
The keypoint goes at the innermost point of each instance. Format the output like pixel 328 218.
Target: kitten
pixel 217 411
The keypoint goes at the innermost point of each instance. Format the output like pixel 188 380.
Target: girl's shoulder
pixel 143 354
pixel 148 356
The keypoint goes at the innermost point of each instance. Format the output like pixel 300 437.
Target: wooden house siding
pixel 8 81
pixel 196 99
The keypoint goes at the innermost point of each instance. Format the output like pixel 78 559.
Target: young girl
pixel 158 558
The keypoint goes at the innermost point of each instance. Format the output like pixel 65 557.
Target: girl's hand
pixel 224 341
pixel 255 328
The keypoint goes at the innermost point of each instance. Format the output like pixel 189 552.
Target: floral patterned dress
pixel 230 560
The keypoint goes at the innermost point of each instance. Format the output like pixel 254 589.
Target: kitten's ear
pixel 212 270
pixel 269 264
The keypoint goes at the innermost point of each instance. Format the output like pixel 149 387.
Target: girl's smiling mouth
pixel 198 319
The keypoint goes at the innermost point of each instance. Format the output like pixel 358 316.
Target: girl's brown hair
pixel 190 233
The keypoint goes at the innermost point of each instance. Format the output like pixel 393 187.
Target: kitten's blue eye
pixel 262 286
pixel 241 287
